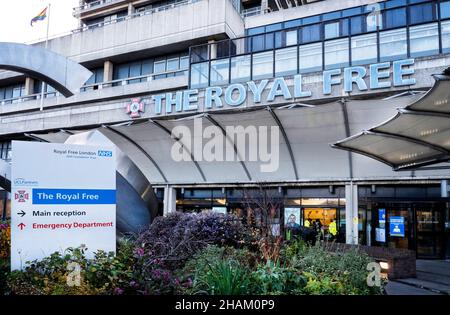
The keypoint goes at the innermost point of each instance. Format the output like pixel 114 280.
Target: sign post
pixel 62 196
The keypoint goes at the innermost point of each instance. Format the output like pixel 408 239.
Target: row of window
pixel 12 91
pixel 351 22
pixel 161 65
pixel 357 50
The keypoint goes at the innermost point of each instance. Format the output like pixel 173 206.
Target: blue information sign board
pixel 397 226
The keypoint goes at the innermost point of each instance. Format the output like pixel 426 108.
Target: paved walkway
pixel 433 278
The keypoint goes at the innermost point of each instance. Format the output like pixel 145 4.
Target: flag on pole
pixel 41 16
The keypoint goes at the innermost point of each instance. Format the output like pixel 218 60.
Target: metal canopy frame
pixel 442 153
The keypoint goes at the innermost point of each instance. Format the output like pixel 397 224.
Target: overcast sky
pixel 15 17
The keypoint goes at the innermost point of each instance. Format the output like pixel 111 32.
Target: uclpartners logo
pixel 104 153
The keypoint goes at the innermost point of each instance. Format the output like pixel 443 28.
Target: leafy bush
pixel 220 271
pixel 272 278
pixel 174 239
pixel 332 273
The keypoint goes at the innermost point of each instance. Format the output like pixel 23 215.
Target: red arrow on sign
pixel 21 226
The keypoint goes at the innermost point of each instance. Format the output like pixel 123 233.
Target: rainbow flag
pixel 41 16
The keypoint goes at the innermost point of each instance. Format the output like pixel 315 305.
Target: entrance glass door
pixel 429 232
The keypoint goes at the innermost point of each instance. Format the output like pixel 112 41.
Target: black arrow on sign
pixel 21 213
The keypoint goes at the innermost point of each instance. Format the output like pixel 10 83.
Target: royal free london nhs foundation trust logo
pixel 135 107
pixel 21 196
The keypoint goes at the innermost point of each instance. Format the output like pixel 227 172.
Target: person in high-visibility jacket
pixel 332 228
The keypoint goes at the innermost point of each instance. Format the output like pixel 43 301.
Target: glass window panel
pixel 273 27
pixel 184 62
pixel 351 12
pixel 445 29
pixel 357 25
pixel 445 10
pixel 173 64
pixel 219 71
pixel 99 75
pixel 332 30
pixel 286 61
pixel 336 53
pixel 147 66
pixel 262 65
pixel 240 69
pixel 8 92
pixel 291 38
pixel 256 30
pixel 421 13
pixel 424 40
pixel 159 66
pixel 121 72
pixel 393 44
pixel 258 43
pixel 372 21
pixel 364 49
pixel 135 71
pixel 199 75
pixel 310 57
pixel 344 27
pixel 395 18
pixel 310 33
pixel 2 93
pixel 16 91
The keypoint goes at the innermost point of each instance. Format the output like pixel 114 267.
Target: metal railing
pixel 251 12
pixel 135 15
pixel 100 85
pixel 93 4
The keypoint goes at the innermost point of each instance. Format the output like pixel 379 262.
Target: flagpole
pixel 46 46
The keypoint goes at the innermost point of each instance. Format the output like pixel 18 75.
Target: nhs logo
pixel 104 153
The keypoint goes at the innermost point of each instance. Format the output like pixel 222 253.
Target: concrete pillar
pixel 131 9
pixel 351 213
pixel 108 71
pixel 444 188
pixel 29 86
pixel 170 200
pixel 213 49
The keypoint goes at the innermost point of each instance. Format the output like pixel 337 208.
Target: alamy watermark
pixel 228 144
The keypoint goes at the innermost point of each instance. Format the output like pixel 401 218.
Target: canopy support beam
pixel 184 147
pixel 215 123
pixel 139 148
pixel 286 140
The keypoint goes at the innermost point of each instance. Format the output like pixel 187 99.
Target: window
pixel 364 49
pixel 393 44
pixel 357 25
pixel 424 40
pixel 286 61
pixel 332 30
pixel 310 33
pixel 395 3
pixel 310 58
pixel 262 65
pixel 147 67
pixel 173 64
pixel 336 53
pixel 445 10
pixel 240 69
pixel 422 13
pixel 219 71
pixel 135 71
pixel 374 20
pixel 394 18
pixel 199 75
pixel 291 38
pixel 445 29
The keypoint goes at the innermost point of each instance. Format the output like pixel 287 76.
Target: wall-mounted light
pixel 373 189
pixel 182 190
pixel 384 265
pixel 223 190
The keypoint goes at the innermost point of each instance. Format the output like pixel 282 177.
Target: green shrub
pixel 271 278
pixel 219 270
